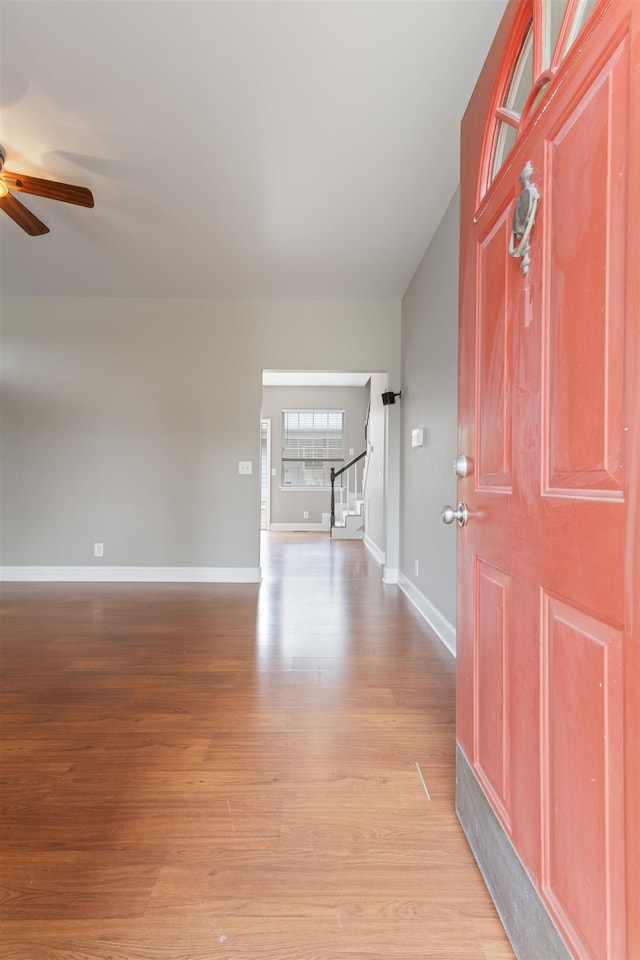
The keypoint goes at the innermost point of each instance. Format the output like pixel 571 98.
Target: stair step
pixel 347 517
pixel 344 533
pixel 349 528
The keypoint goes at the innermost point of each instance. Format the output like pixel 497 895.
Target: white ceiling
pixel 303 149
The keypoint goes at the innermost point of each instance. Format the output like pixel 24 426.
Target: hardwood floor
pixel 234 771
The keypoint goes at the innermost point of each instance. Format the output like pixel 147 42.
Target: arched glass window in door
pixel 548 30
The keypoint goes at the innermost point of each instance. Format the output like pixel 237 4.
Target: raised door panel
pixel 585 215
pixel 494 365
pixel 493 678
pixel 582 758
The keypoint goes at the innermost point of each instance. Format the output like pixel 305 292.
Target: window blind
pixel 312 434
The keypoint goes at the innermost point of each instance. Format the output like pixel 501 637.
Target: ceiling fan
pixel 38 188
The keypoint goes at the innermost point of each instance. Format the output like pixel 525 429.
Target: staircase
pixel 351 524
pixel 347 516
pixel 347 521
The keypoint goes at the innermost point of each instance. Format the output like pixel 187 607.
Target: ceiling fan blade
pixel 23 217
pixel 48 188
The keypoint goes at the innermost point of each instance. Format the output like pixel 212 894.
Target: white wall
pixel 429 400
pixel 123 420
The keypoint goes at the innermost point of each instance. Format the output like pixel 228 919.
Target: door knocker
pixel 524 217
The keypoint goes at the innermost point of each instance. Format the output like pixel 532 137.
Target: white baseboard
pixel 390 575
pixel 439 623
pixel 133 574
pixel 300 527
pixel 374 550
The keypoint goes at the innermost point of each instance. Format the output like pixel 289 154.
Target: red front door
pixel 548 572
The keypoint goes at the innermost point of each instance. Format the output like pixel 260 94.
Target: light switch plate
pixel 245 466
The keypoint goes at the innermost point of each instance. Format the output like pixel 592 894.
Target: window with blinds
pixel 312 443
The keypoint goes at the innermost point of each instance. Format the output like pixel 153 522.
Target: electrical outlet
pixel 245 466
pixel 416 568
pixel 98 549
pixel 305 515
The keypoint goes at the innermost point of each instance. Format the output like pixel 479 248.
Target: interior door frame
pixel 266 479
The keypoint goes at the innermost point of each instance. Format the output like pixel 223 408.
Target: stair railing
pixel 350 469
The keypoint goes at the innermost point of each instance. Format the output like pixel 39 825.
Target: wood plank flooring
pixel 192 772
